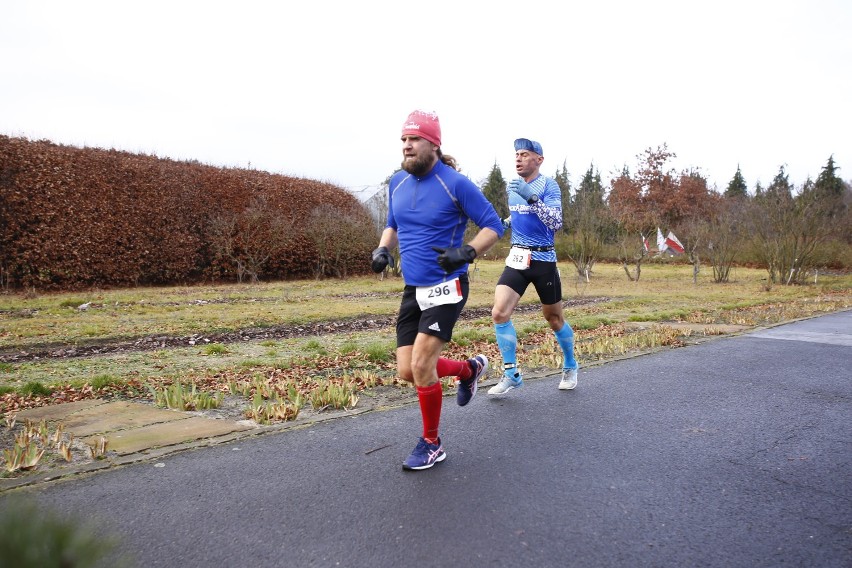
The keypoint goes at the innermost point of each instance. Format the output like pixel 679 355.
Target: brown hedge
pixel 72 218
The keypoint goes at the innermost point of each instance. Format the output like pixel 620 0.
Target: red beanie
pixel 423 124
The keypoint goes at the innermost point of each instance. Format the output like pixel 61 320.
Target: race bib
pixel 519 258
pixel 449 292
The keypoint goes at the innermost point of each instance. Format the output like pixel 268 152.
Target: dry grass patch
pixel 626 317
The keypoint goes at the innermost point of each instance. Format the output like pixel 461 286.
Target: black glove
pixel 381 259
pixel 453 258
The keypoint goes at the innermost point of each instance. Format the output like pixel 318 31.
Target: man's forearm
pixel 388 239
pixel 484 240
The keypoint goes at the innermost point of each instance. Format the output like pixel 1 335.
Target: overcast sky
pixel 319 89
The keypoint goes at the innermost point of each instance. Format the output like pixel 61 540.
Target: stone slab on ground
pixel 167 434
pixel 113 416
pixel 57 412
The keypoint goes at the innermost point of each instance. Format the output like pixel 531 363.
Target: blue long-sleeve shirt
pixel 528 228
pixel 433 210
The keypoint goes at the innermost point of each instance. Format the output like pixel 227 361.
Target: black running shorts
pixel 543 275
pixel 438 321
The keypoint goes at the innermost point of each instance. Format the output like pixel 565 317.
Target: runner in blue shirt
pixel 535 204
pixel 429 205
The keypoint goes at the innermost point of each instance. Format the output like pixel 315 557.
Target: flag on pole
pixel 673 243
pixel 644 242
pixel 661 242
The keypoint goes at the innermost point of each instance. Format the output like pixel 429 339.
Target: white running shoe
pixel 506 384
pixel 569 379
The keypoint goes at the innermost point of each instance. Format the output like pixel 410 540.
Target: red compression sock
pixel 430 409
pixel 450 368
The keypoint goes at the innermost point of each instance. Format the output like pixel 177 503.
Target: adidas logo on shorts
pixel 435 327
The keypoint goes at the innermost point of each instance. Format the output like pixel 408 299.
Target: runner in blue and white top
pixel 534 224
pixel 535 203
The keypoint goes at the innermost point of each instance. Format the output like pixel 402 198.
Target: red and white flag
pixel 673 243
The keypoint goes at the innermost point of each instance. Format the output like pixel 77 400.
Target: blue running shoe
pixel 467 388
pixel 425 455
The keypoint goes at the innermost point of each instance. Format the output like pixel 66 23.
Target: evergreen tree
pixel 588 202
pixel 737 186
pixel 591 183
pixel 827 193
pixel 829 183
pixel 495 191
pixel 780 186
pixel 590 192
pixel 562 179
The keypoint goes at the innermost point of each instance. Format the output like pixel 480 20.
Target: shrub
pixel 34 538
pixel 76 218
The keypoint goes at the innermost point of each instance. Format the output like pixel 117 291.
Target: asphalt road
pixel 734 452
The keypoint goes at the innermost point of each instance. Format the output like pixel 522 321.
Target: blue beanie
pixel 529 145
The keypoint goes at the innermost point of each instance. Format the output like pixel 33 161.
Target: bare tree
pixel 633 221
pixel 379 207
pixel 656 196
pixel 587 221
pixel 694 208
pixel 584 249
pixel 787 230
pixel 631 254
pixel 248 239
pixel 724 237
pixel 338 237
pixel 692 234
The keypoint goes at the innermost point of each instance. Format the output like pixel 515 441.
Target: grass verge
pixel 609 326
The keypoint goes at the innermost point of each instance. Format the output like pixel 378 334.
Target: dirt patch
pixel 153 342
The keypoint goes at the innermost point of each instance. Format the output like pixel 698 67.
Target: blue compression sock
pixel 565 337
pixel 507 341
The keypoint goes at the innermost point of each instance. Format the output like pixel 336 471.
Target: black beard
pixel 418 166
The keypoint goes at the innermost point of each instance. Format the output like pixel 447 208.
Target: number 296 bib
pixel 449 292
